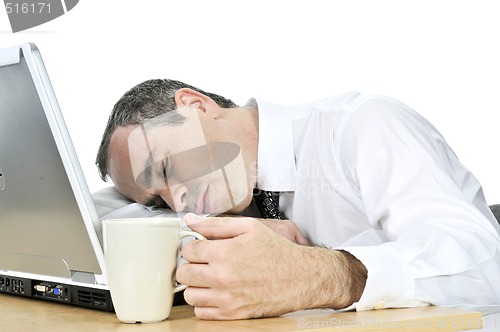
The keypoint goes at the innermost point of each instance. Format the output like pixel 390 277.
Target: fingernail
pixel 192 218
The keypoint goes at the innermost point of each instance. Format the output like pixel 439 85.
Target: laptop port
pixel 43 288
pixel 53 291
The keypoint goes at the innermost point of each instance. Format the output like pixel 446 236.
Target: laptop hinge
pixel 10 56
pixel 85 277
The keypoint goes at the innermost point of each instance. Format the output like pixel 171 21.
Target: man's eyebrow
pixel 150 201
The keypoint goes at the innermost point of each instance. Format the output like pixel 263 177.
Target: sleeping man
pixel 375 210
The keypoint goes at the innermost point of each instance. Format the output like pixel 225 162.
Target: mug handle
pixel 182 235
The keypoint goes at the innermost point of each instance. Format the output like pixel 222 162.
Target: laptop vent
pixel 92 298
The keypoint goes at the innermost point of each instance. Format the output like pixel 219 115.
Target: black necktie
pixel 268 204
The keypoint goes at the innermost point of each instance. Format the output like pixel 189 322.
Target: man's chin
pixel 226 207
pixel 238 208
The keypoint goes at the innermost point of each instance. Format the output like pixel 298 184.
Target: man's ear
pixel 186 97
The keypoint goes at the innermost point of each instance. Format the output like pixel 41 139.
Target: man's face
pixel 191 167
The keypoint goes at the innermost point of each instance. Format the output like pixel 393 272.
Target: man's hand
pixel 287 229
pixel 249 271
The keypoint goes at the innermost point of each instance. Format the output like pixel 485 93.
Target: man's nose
pixel 177 198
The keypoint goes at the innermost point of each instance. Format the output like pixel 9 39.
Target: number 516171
pixel 27 8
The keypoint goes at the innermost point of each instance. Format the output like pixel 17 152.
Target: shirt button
pixel 379 305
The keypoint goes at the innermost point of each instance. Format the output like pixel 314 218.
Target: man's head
pixel 145 101
pixel 169 143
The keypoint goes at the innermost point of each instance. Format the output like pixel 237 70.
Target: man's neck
pixel 245 128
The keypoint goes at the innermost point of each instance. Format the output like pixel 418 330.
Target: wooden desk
pixel 22 314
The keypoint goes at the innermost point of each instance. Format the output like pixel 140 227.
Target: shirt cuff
pixel 389 283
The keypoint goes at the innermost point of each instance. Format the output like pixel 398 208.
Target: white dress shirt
pixel 369 175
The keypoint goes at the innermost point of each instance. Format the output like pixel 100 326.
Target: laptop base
pixel 57 292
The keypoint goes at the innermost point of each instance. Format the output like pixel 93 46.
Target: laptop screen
pixel 44 217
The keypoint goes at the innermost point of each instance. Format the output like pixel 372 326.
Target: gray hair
pixel 145 101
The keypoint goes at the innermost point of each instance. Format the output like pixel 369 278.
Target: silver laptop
pixel 50 234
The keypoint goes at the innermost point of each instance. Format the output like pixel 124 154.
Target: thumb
pixel 220 227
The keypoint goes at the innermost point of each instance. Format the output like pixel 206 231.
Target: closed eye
pixel 166 167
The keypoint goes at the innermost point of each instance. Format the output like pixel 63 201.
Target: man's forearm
pixel 338 278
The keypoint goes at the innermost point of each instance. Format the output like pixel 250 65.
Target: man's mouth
pixel 203 203
pixel 207 207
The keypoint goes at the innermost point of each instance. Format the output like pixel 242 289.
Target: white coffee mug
pixel 141 257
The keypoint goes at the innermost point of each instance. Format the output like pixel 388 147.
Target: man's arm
pixel 442 245
pixel 249 271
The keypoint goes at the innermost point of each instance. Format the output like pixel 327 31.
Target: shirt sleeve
pixel 444 244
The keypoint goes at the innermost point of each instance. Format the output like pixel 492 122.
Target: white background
pixel 440 57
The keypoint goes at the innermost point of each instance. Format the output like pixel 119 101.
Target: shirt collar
pixel 276 157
